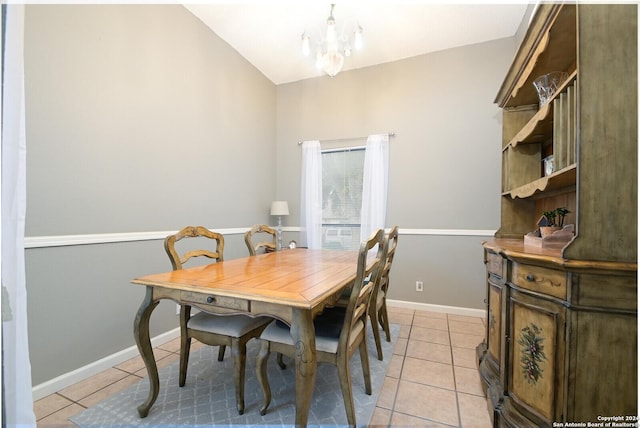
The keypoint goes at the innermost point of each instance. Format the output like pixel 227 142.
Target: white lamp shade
pixel 279 208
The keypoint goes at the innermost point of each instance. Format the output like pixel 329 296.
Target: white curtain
pixel 311 196
pixel 374 185
pixel 16 367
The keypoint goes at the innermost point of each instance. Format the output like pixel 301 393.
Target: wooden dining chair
pixel 214 330
pixel 257 232
pixel 260 230
pixel 378 305
pixel 339 331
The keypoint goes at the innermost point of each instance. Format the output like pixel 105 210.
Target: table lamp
pixel 279 208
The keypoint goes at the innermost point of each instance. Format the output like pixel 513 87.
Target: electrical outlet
pixel 418 285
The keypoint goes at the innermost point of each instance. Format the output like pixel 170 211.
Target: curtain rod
pixel 339 140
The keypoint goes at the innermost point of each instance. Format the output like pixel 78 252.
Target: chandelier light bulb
pixel 332 63
pixel 306 49
pixel 358 38
pixel 332 36
pixel 319 59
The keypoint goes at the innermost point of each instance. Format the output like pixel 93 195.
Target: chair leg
pixel 221 350
pixel 373 314
pixel 384 320
pixel 185 344
pixel 261 374
pixel 345 385
pixel 239 356
pixel 366 371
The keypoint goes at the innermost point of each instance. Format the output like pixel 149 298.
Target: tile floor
pixel 432 379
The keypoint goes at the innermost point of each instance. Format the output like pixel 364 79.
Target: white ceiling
pixel 268 33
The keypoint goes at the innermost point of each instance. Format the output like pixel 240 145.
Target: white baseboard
pixel 68 379
pixel 454 310
pixel 82 373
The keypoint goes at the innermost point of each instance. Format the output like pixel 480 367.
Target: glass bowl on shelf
pixel 548 165
pixel 547 85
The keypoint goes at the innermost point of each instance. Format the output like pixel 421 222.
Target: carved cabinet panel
pixel 494 337
pixel 536 356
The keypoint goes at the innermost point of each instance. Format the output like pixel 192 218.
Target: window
pixel 342 172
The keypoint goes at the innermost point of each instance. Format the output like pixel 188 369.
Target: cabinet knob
pixel 530 277
pixel 211 299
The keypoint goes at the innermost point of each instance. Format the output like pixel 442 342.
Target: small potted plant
pixel 549 225
pixel 562 213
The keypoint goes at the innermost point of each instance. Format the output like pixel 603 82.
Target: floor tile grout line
pixel 455 383
pixel 74 401
pixel 428 420
pixel 61 408
pixel 404 356
pixel 393 404
pixel 71 403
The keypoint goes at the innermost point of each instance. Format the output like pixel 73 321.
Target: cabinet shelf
pixel 563 178
pixel 540 126
pixel 537 130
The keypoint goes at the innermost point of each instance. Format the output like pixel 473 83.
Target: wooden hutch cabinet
pixel 561 338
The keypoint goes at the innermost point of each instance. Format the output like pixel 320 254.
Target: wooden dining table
pixel 292 285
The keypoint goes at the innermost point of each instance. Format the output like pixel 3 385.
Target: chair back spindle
pixel 177 260
pixel 259 231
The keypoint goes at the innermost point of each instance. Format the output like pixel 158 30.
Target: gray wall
pixel 139 119
pixel 444 160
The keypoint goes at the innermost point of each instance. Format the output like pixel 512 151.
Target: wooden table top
pixel 296 278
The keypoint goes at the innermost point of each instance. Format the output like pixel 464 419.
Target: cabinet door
pixel 495 288
pixel 536 357
pixel 491 351
pixel 494 324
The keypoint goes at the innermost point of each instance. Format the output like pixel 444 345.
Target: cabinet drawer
pixel 494 264
pixel 213 300
pixel 543 280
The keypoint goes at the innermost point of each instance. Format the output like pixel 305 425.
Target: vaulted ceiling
pixel 268 34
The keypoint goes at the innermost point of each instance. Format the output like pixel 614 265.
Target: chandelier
pixel 331 51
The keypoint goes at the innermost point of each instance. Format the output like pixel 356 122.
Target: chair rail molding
pixel 107 238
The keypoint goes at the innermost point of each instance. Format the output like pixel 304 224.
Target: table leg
pixel 304 338
pixel 141 334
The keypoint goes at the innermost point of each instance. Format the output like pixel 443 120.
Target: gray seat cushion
pixel 328 327
pixel 228 325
